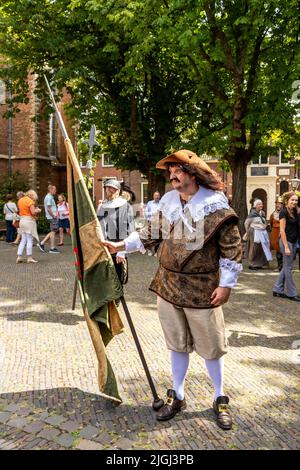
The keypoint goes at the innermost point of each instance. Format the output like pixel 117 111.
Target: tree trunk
pixel 156 182
pixel 239 194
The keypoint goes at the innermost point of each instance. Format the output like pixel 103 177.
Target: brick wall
pixel 30 145
pixel 3 166
pixel 24 132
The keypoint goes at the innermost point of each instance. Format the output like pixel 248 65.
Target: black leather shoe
pixel 296 298
pixel 221 410
pixel 277 294
pixel 172 406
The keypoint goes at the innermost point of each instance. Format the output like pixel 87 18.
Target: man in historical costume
pixel 52 217
pixel 275 231
pixel 117 222
pixel 258 244
pixel 200 255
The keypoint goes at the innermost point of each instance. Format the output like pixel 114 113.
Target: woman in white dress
pixel 258 243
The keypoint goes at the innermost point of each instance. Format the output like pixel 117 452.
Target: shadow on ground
pixel 135 426
pixel 244 339
pixel 65 318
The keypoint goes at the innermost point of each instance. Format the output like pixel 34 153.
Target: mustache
pixel 174 178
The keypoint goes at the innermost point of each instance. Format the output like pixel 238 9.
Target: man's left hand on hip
pixel 220 296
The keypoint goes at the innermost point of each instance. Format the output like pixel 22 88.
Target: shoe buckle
pixel 170 401
pixel 223 408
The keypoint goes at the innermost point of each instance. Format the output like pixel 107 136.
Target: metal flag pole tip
pixel 91 142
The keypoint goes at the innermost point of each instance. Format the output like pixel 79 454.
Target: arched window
pixel 2 92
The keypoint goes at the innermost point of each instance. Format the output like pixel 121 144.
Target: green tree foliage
pixel 243 57
pixel 136 97
pixel 213 76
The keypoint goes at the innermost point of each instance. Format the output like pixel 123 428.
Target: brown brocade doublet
pixel 188 277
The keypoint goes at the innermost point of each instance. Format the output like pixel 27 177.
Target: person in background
pixel 10 210
pixel 28 213
pixel 117 222
pixel 152 206
pixel 63 218
pixel 289 233
pixel 51 215
pixel 258 243
pixel 127 193
pixel 150 211
pixel 138 209
pixel 275 231
pixel 18 239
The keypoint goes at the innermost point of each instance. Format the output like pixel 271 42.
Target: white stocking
pixel 180 364
pixel 215 368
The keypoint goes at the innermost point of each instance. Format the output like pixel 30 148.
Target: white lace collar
pixel 113 203
pixel 204 202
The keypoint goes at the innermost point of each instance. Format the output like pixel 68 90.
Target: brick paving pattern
pixel 48 383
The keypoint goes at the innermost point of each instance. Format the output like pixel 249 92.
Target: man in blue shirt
pixel 51 215
pixel 152 206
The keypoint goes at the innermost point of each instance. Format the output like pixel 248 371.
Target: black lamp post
pixel 295 182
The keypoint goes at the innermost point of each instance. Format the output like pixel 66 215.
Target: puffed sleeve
pixel 230 255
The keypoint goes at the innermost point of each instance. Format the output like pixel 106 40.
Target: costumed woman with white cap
pixel 258 244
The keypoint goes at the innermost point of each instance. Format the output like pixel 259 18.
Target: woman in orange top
pixel 28 212
pixel 275 231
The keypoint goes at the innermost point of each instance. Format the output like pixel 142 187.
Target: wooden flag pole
pixel 74 293
pixel 157 402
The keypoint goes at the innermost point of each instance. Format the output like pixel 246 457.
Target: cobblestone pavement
pixel 48 382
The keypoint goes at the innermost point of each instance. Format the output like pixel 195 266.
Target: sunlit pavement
pixel 48 383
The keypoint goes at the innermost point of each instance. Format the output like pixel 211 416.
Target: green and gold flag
pixel 98 282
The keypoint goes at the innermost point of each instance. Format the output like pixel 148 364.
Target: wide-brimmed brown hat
pixel 183 156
